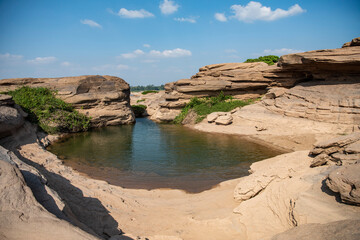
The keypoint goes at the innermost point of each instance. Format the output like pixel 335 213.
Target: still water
pixel 150 155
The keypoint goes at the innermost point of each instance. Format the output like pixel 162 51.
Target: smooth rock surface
pixel 344 230
pixel 104 98
pixel 21 216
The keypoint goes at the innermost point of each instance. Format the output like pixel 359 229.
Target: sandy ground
pixel 281 193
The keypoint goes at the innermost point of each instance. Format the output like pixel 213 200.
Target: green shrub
pixel 53 115
pixel 149 91
pixel 270 59
pixel 205 106
pixel 139 110
pixel 140 100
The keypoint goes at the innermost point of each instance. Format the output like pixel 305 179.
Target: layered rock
pixel 104 98
pixel 319 85
pixel 346 182
pixel 341 150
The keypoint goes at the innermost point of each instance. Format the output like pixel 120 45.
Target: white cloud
pixel 220 17
pixel 65 64
pixel 168 7
pixel 10 57
pixel 133 54
pixel 146 45
pixel 122 67
pixel 190 20
pixel 177 52
pixel 123 12
pixel 111 67
pixel 280 52
pixel 255 11
pixel 91 23
pixel 42 60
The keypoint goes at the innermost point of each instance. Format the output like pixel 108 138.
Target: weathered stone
pixel 213 116
pixel 345 157
pixel 320 160
pixel 353 147
pixel 104 98
pixel 224 120
pixel 346 181
pixel 11 116
pixel 345 230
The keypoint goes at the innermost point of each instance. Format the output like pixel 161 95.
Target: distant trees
pixel 269 59
pixel 145 88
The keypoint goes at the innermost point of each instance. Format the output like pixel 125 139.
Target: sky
pixel 159 41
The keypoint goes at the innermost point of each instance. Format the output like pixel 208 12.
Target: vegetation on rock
pixel 149 91
pixel 53 115
pixel 139 110
pixel 205 106
pixel 270 59
pixel 140 100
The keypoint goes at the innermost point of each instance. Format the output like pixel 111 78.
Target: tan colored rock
pixel 104 98
pixel 22 217
pixel 224 120
pixel 11 116
pixel 344 230
pixel 213 116
pixel 346 181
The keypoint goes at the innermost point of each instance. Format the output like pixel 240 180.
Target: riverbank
pixel 292 194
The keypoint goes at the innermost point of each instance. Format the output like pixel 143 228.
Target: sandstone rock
pixel 224 120
pixel 213 116
pixel 346 181
pixel 104 98
pixel 345 230
pixel 354 42
pixel 22 217
pixel 11 116
pixel 341 150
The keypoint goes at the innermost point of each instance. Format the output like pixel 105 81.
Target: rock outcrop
pixel 345 230
pixel 346 181
pixel 21 215
pixel 341 150
pixel 104 98
pixel 11 116
pixel 320 85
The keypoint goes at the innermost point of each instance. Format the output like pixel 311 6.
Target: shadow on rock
pixel 84 212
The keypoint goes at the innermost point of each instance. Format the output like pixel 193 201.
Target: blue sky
pixel 155 42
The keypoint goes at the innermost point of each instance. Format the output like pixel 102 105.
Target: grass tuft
pixel 53 115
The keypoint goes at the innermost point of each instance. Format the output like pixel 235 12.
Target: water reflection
pixel 150 155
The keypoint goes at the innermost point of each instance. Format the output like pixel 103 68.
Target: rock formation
pixel 21 215
pixel 341 150
pixel 11 115
pixel 320 85
pixel 104 98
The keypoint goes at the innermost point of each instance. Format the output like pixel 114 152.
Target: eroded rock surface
pixel 11 115
pixel 346 181
pixel 319 85
pixel 340 150
pixel 21 216
pixel 104 98
pixel 345 230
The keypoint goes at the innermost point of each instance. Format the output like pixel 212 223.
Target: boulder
pixel 346 181
pixel 224 120
pixel 103 98
pixel 11 116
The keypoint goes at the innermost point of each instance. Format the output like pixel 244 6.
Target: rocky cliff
pixel 322 85
pixel 104 98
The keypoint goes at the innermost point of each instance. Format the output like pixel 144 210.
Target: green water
pixel 149 155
